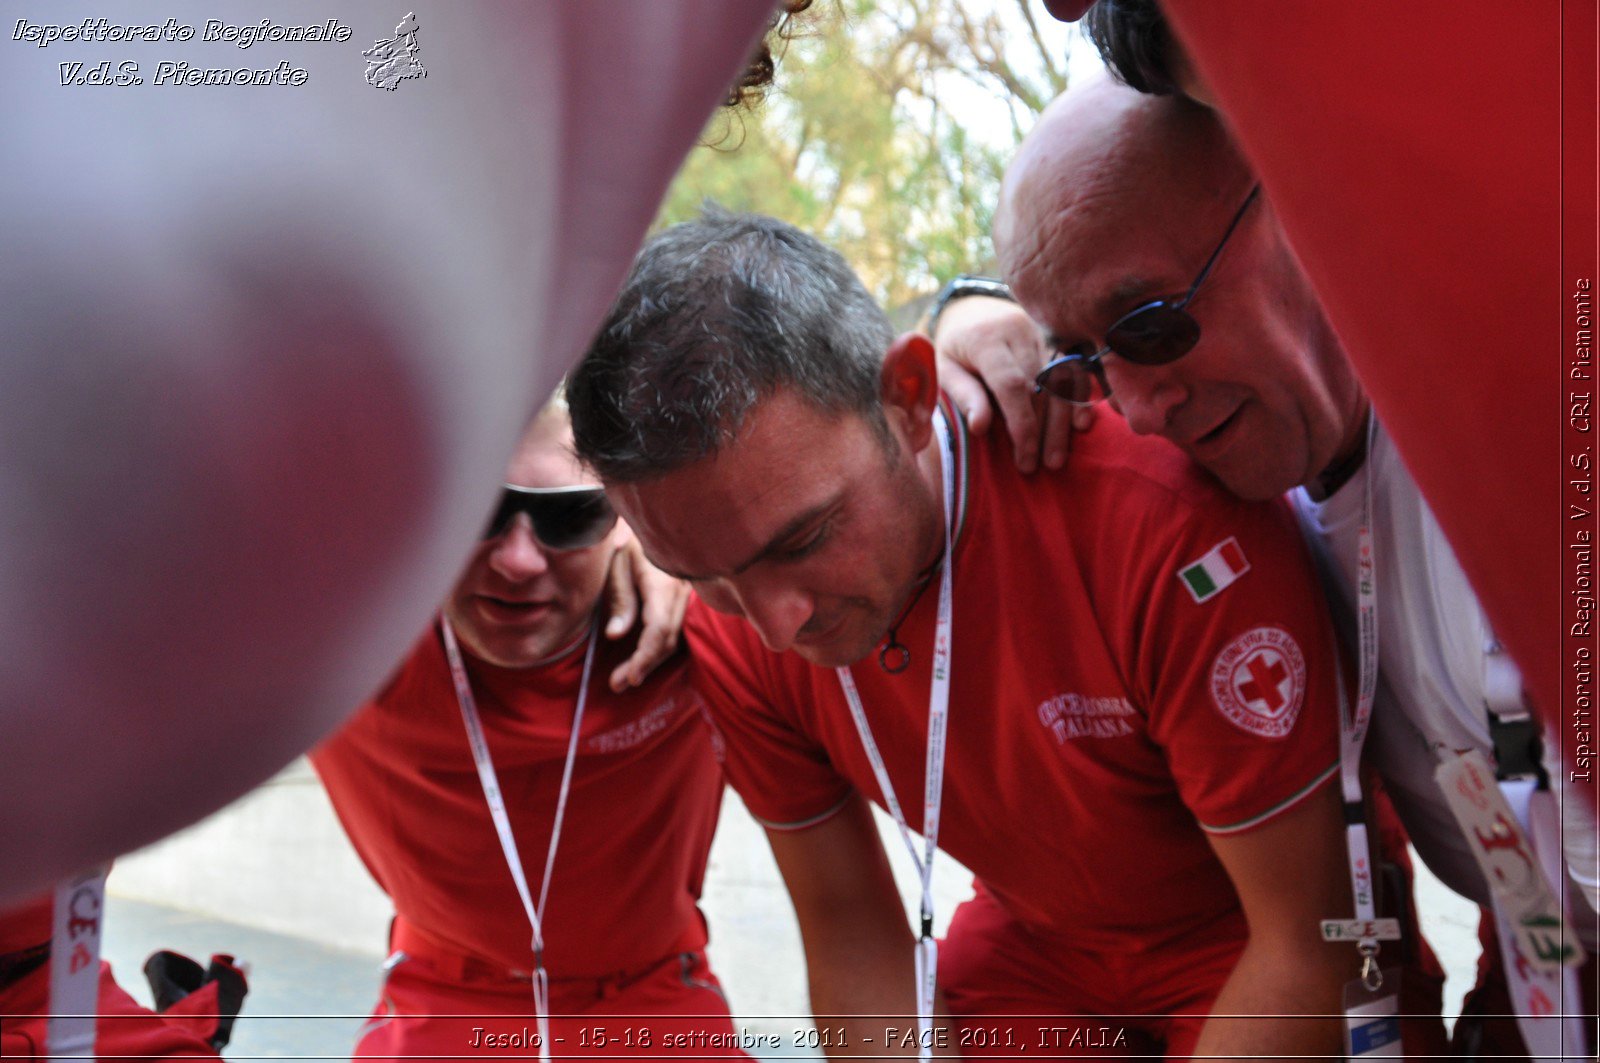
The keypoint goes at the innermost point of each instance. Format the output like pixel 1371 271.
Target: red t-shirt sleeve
pixel 1236 659
pixel 783 775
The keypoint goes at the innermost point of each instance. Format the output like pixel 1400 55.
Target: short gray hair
pixel 718 314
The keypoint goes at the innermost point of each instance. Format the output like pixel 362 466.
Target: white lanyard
pixel 502 822
pixel 1502 691
pixel 927 954
pixel 75 965
pixel 1367 929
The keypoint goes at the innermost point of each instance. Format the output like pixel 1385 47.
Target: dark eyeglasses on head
pixel 563 518
pixel 1156 333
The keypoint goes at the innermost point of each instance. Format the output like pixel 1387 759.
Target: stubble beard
pixel 924 530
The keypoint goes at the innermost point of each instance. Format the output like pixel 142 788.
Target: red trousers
pixel 1011 992
pixel 439 1007
pixel 125 1031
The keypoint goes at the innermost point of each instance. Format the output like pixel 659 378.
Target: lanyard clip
pixel 1371 975
pixel 927 926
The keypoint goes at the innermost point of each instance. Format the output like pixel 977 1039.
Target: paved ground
pixel 307 999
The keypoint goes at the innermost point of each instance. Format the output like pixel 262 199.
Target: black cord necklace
pixel 895 656
pixel 1339 473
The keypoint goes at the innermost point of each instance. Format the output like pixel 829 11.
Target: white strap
pixel 502 822
pixel 1544 989
pixel 927 952
pixel 1353 725
pixel 1546 996
pixel 75 965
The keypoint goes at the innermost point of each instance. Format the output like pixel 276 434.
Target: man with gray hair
pixel 1110 693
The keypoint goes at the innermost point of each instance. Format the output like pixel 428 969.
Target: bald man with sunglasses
pixel 1108 210
pixel 542 833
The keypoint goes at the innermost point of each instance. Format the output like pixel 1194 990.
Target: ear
pixel 909 386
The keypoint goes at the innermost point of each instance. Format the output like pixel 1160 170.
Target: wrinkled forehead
pixel 1108 171
pixel 1094 247
pixel 1104 243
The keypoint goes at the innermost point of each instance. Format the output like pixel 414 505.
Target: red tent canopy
pixel 1434 164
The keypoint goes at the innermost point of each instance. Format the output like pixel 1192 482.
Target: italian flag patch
pixel 1211 574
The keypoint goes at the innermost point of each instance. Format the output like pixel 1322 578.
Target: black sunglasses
pixel 563 518
pixel 1156 333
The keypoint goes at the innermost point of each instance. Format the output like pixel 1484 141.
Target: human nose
pixel 1148 396
pixel 517 555
pixel 777 612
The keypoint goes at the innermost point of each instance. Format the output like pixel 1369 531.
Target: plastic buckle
pixel 1518 750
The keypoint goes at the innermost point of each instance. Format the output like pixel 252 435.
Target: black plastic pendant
pixel 894 658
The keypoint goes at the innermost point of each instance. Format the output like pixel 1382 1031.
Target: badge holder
pixel 1372 1000
pixel 1372 1010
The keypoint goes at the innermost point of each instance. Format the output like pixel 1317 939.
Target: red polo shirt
pixel 646 790
pixel 1103 715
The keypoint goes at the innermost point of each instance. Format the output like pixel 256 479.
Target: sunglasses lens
pixel 508 507
pixel 1070 378
pixel 573 521
pixel 1154 335
pixel 562 520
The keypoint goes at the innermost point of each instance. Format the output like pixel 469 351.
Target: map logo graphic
pixel 392 61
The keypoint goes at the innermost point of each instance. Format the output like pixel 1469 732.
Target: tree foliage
pixel 886 134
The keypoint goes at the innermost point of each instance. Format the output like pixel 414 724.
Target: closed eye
pixel 805 547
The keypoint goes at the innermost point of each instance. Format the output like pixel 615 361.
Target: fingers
pixel 1013 391
pixel 966 391
pixel 622 596
pixel 651 650
pixel 1059 424
pixel 1062 421
pixel 663 626
pixel 989 353
pixel 622 677
pixel 656 600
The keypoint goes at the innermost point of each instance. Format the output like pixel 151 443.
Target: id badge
pixel 1372 1018
pixel 1494 833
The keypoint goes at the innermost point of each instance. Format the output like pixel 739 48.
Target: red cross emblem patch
pixel 1259 681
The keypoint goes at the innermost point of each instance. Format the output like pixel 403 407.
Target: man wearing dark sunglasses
pixel 1127 275
pixel 1110 209
pixel 501 791
pixel 1020 669
pixel 1158 332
